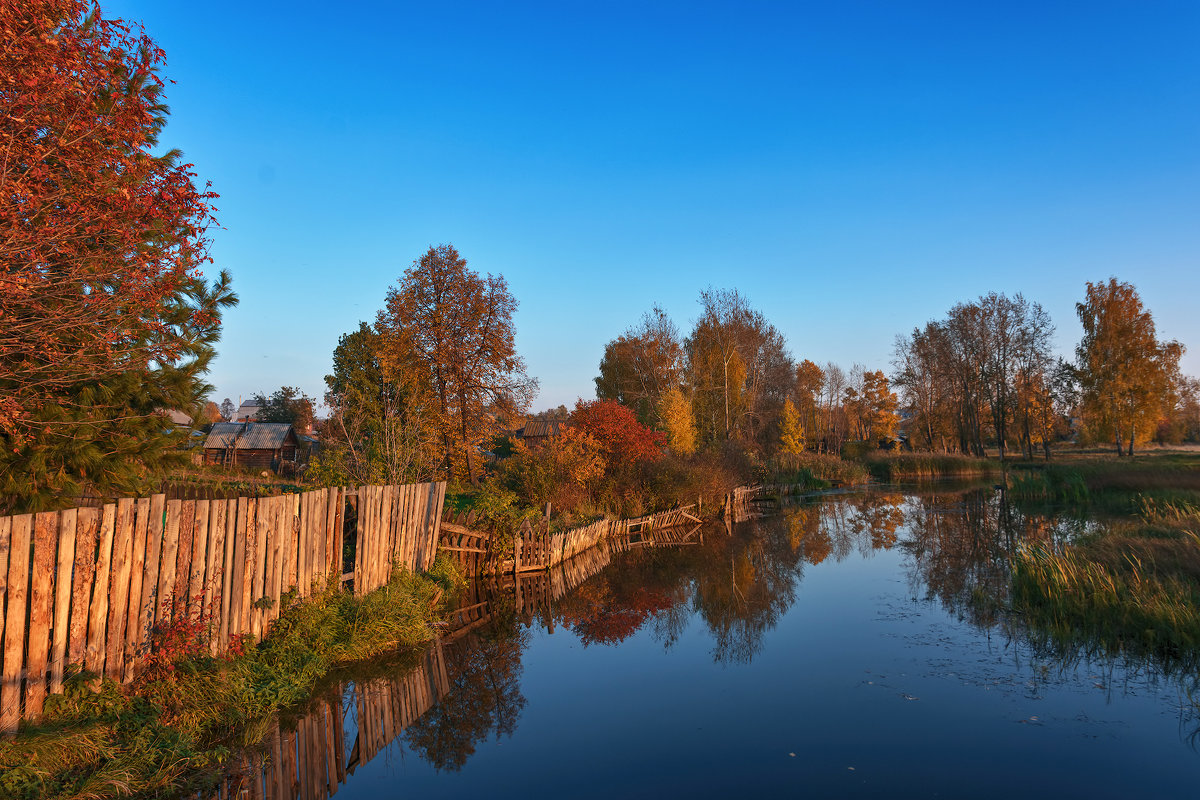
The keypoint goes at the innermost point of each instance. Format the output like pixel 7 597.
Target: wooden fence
pixel 533 549
pixel 87 586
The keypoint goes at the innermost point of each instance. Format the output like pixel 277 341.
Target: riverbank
pixel 1132 583
pixel 173 728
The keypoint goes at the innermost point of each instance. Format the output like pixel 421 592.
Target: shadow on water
pixel 738 583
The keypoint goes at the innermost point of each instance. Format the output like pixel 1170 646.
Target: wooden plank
pixel 223 628
pixel 118 592
pixel 306 544
pixel 41 610
pixel 282 520
pixel 183 564
pixel 238 577
pixel 268 515
pixel 62 597
pixel 165 601
pixel 87 526
pixel 247 554
pixel 301 544
pixel 5 544
pixel 337 561
pixel 197 609
pixel 320 565
pixel 257 589
pixel 17 590
pixel 134 634
pixel 331 515
pixel 98 613
pixel 155 535
pixel 214 570
pixel 360 526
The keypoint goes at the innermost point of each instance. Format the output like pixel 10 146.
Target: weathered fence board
pixel 89 586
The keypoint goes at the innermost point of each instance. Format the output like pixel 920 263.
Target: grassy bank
pixel 172 730
pixel 1133 585
pixel 896 467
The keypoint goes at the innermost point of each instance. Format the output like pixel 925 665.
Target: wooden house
pixel 261 445
pixel 539 431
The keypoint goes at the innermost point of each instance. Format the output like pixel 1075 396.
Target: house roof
pixel 543 427
pixel 247 435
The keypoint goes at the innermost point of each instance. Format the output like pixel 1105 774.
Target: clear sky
pixel 854 168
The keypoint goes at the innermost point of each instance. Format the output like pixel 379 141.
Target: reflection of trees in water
pixel 960 544
pixel 484 698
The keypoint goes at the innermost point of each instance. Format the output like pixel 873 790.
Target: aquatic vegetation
pixel 927 466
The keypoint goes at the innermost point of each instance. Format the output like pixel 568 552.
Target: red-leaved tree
pixel 622 439
pixel 97 232
pixel 105 319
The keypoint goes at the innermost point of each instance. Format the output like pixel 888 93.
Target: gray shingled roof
pixel 247 435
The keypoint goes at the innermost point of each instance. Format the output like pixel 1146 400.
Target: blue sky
pixel 855 169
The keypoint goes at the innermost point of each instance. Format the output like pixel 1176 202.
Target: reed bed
pixel 894 467
pixel 1131 605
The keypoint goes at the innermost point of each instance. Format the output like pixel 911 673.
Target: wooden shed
pixel 262 445
pixel 540 431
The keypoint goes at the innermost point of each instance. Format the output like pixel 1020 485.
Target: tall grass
pixel 893 467
pixel 815 470
pixel 1130 606
pixel 174 727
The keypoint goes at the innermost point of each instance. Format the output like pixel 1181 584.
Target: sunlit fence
pixel 89 586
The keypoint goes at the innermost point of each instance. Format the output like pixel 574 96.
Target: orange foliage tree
pixel 456 328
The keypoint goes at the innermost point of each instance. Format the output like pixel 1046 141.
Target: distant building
pixel 178 418
pixel 247 412
pixel 538 431
pixel 261 445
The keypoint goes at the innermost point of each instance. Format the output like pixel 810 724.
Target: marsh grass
pixel 1128 594
pixel 175 727
pixel 894 467
pixel 816 470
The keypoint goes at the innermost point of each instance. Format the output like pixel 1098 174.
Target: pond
pixel 832 649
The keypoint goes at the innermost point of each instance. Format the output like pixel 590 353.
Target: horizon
pixel 853 171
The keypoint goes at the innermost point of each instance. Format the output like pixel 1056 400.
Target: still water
pixel 828 650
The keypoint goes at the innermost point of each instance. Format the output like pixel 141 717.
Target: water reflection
pixel 738 584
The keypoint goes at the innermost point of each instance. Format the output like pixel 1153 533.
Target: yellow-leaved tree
pixel 675 416
pixel 791 430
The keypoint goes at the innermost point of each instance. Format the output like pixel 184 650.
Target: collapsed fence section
pixel 88 586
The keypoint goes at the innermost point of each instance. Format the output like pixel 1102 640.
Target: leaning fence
pixel 88 586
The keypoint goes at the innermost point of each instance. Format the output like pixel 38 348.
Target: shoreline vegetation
pixel 174 728
pixel 1133 584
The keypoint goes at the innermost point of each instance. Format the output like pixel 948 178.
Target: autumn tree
pixel 1125 372
pixel 677 422
pixel 791 431
pixel 806 393
pixel 642 364
pixel 379 428
pixel 105 318
pixel 457 327
pixel 620 437
pixel 739 368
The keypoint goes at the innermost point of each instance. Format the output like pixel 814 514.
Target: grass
pixel 894 467
pixel 175 727
pixel 1132 592
pixel 1133 586
pixel 817 470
